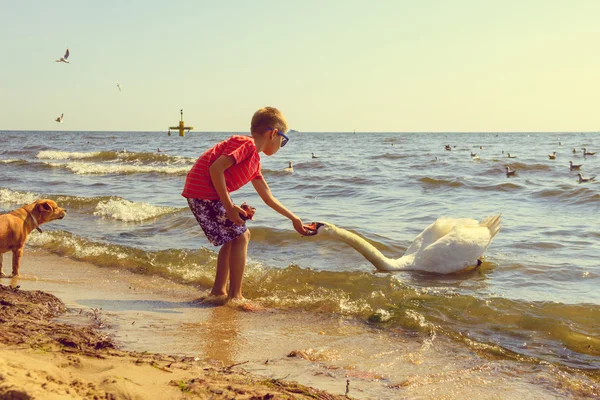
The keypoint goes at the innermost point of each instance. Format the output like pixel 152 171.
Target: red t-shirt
pixel 246 167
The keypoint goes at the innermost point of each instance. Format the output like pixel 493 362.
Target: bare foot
pixel 246 305
pixel 211 300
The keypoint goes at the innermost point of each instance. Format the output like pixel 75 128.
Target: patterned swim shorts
pixel 212 217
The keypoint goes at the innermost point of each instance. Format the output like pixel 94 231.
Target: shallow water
pixel 535 297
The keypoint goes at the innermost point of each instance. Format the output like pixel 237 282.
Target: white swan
pixel 447 246
pixel 290 168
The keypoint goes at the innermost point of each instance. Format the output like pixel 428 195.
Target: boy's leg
pixel 237 264
pixel 222 275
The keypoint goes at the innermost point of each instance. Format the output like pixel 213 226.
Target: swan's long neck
pixel 365 248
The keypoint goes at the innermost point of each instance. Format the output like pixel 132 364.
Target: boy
pixel 222 169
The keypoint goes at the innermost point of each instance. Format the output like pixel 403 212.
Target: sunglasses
pixel 285 138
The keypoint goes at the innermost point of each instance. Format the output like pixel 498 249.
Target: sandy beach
pixel 74 330
pixel 49 350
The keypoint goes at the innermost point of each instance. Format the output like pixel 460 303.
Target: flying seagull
pixel 119 86
pixel 59 119
pixel 64 58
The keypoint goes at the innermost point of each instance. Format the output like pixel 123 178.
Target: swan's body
pixel 290 168
pixel 552 156
pixel 64 58
pixel 447 246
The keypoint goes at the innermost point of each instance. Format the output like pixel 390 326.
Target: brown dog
pixel 16 226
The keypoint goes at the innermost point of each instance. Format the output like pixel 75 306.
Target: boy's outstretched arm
pixel 261 187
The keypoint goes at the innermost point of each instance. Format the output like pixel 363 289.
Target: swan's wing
pixel 435 232
pixel 456 251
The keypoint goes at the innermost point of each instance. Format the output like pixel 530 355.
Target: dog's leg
pixel 16 261
pixel 1 272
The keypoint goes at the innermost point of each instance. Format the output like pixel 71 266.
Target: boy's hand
pixel 233 214
pixel 300 228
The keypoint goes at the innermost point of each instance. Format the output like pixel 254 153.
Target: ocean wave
pixel 81 168
pixel 128 211
pixel 16 197
pixel 570 194
pixel 17 161
pixel 141 157
pixel 432 311
pixel 441 182
pixel 502 187
pixel 390 156
pixel 110 207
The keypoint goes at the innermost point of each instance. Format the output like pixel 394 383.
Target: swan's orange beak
pixel 311 228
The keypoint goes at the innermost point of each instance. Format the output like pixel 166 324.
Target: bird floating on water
pixel 60 119
pixel 64 58
pixel 510 171
pixel 574 166
pixel 509 156
pixel 447 246
pixel 584 180
pixel 552 156
pixel 574 150
pixel 313 155
pixel 290 168
pixel 588 153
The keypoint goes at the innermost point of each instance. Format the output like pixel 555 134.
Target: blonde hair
pixel 268 118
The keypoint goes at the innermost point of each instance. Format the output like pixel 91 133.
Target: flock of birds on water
pixel 552 156
pixel 65 59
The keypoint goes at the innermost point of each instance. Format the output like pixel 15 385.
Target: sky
pixel 328 65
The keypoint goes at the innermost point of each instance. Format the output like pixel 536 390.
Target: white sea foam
pixel 128 211
pixel 11 160
pixel 65 155
pixel 76 247
pixel 13 197
pixel 104 169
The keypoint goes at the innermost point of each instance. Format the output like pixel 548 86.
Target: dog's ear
pixel 44 207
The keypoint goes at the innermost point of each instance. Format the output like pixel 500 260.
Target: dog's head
pixel 47 210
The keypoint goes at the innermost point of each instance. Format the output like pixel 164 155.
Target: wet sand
pixel 165 337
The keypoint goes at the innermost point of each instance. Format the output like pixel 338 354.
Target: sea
pixel 534 300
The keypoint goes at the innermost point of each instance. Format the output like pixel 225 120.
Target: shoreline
pixel 43 358
pixel 158 326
